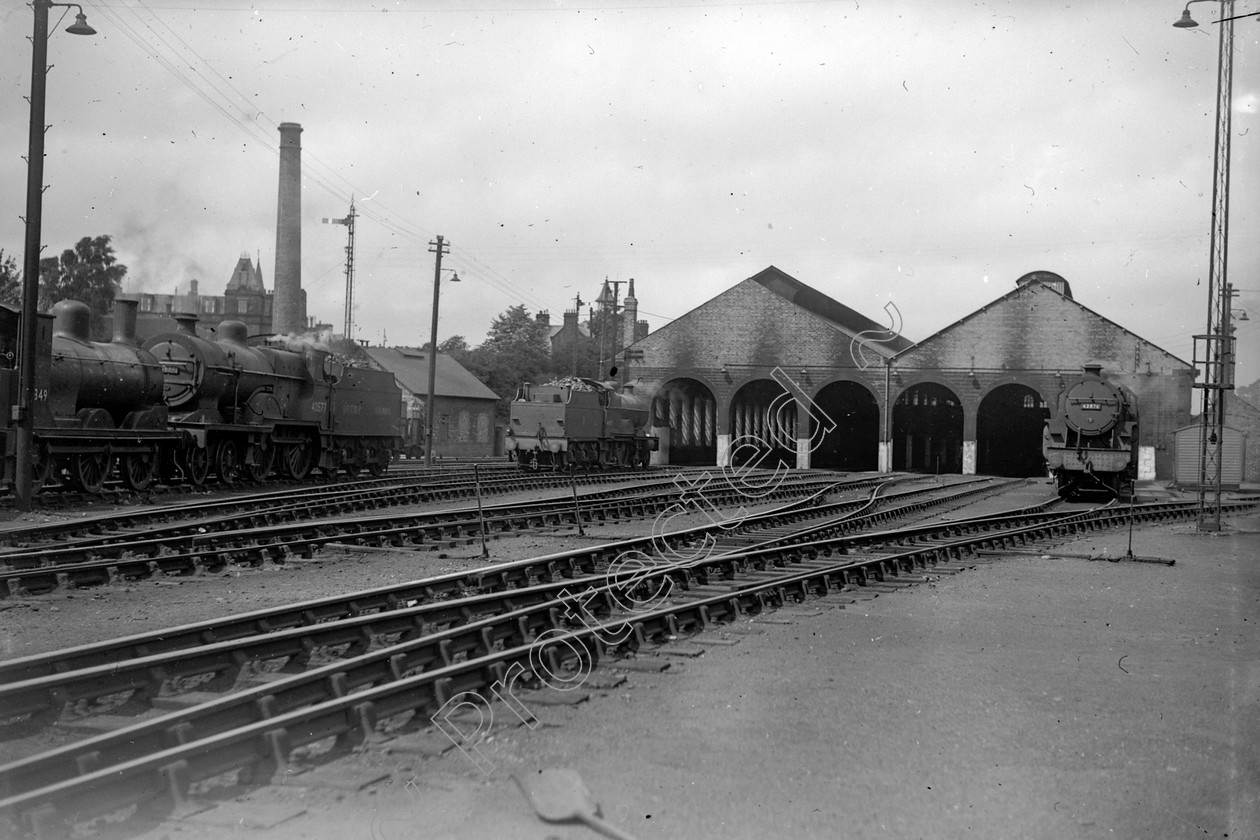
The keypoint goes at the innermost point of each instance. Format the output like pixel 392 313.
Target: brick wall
pixel 1032 336
pixel 744 326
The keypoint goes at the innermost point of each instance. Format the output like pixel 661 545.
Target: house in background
pixel 464 408
pixel 245 299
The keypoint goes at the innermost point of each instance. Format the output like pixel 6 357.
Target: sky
pixel 906 152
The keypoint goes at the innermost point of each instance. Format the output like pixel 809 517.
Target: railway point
pixel 1039 693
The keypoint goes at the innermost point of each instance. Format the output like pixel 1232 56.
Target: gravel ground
pixel 1036 696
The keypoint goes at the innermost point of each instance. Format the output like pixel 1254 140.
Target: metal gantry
pixel 1213 350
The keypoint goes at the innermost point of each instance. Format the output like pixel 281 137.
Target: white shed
pixel 1187 443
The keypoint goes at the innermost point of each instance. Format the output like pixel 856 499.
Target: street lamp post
pixel 24 412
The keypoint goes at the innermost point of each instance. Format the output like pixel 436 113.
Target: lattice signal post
pixel 1214 349
pixel 348 221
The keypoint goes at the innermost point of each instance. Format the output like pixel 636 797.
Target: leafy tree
pixel 456 347
pixel 453 345
pixel 515 350
pixel 10 280
pixel 89 272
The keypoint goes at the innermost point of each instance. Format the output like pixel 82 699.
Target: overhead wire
pixel 226 99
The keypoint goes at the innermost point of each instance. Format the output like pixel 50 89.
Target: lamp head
pixel 80 25
pixel 1186 21
pixel 1243 316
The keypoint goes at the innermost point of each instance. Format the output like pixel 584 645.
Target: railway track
pixel 40 685
pixel 444 647
pixel 292 503
pixel 275 533
pixel 116 492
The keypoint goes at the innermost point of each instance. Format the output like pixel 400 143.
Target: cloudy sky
pixel 921 153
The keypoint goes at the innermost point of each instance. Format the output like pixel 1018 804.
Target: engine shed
pixel 773 366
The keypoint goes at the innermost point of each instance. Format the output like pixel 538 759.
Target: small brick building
pixel 774 361
pixel 464 408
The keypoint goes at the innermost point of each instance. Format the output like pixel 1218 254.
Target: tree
pixel 515 350
pixel 89 272
pixel 454 344
pixel 10 280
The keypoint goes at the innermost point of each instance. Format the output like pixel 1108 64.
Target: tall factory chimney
pixel 288 313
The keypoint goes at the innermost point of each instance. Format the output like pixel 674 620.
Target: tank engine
pixel 578 423
pixel 1091 442
pixel 250 405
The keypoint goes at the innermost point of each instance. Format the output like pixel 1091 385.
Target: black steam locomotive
pixel 189 408
pixel 1091 442
pixel 576 422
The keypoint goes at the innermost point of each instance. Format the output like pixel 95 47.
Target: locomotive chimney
pixel 1093 369
pixel 289 308
pixel 186 322
pixel 125 321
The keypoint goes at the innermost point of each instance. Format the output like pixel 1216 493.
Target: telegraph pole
pixel 439 248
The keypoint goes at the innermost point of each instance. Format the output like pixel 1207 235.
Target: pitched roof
pixel 810 299
pixel 554 330
pixel 246 276
pixel 411 368
pixel 1026 284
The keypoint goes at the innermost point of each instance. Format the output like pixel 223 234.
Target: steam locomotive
pixel 1091 442
pixel 577 422
pixel 186 407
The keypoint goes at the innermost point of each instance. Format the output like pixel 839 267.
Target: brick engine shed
pixel 776 361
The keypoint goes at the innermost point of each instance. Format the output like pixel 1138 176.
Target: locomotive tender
pixel 183 406
pixel 1091 442
pixel 577 422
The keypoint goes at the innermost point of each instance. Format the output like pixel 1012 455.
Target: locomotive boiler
pixel 96 404
pixel 577 422
pixel 184 407
pixel 252 406
pixel 1091 442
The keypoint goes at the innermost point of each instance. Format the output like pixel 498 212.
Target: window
pixel 242 307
